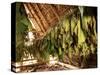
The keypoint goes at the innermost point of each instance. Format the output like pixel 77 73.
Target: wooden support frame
pixel 55 12
pixel 44 21
pixel 31 18
pixel 36 17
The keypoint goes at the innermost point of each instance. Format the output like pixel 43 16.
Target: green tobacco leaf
pixel 81 35
pixel 60 51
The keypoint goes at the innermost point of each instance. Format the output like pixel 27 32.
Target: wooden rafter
pixel 36 17
pixel 31 19
pixel 45 23
pixel 44 16
pixel 55 12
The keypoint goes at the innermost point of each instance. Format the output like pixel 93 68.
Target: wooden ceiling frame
pixel 40 20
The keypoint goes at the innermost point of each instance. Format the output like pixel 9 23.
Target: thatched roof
pixel 44 16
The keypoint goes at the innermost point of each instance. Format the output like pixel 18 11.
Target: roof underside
pixel 44 16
